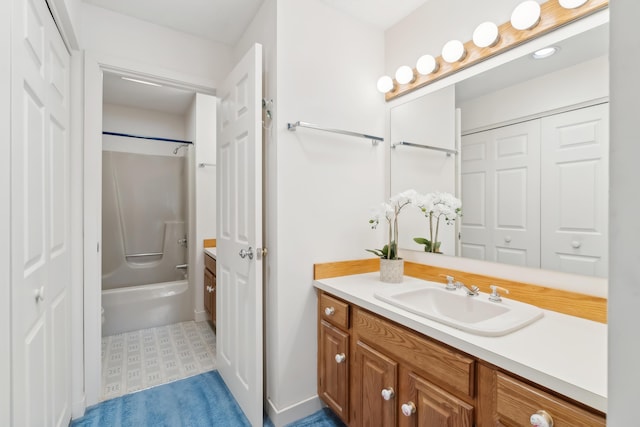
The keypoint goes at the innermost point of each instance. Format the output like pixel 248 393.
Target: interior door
pixel 40 219
pixel 575 181
pixel 500 171
pixel 239 236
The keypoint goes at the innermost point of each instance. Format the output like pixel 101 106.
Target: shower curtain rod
pixel 126 135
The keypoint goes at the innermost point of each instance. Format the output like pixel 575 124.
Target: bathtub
pixel 131 308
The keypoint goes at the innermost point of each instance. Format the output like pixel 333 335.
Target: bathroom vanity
pixel 210 285
pixel 382 365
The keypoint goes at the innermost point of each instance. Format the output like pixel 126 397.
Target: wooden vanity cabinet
pixel 430 384
pixel 210 288
pixel 333 354
pixel 504 400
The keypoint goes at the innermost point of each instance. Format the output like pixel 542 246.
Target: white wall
pixel 201 129
pixel 137 121
pixel 326 184
pixel 624 228
pixel 570 86
pixel 110 34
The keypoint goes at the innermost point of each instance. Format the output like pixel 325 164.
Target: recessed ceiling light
pixel 144 82
pixel 545 52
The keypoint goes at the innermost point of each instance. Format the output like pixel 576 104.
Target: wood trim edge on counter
pixel 345 268
pixel 209 243
pixel 566 302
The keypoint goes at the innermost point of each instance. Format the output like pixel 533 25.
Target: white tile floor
pixel 138 360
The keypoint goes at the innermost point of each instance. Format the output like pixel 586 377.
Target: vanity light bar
pixel 552 15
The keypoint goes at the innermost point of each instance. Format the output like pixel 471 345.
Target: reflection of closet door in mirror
pixel 575 171
pixel 500 172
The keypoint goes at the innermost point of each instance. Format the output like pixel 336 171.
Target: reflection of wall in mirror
pixel 429 120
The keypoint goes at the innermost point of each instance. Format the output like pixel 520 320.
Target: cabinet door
pixel 374 375
pixel 424 404
pixel 506 401
pixel 212 300
pixel 208 284
pixel 333 369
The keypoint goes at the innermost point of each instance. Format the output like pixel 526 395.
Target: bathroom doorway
pixel 147 309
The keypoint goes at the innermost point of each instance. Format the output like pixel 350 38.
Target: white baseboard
pixel 282 417
pixel 78 408
pixel 199 315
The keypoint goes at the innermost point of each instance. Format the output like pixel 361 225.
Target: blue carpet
pixel 200 401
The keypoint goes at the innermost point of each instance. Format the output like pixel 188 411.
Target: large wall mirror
pixel 532 163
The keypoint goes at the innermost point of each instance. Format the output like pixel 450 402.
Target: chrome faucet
pixel 472 292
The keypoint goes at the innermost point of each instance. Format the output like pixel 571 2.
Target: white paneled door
pixel 239 235
pixel 575 181
pixel 500 172
pixel 40 219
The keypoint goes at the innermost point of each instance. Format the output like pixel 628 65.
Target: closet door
pixel 501 195
pixel 575 180
pixel 40 219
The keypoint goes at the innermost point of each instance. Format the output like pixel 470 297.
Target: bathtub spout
pixel 182 266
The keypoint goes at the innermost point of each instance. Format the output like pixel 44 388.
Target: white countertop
pixel 564 353
pixel 211 252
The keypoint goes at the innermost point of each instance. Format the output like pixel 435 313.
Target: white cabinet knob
pixel 507 239
pixel 340 358
pixel 329 311
pixel 541 419
pixel 575 244
pixel 39 294
pixel 408 409
pixel 388 393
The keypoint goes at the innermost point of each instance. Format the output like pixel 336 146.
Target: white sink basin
pixel 473 314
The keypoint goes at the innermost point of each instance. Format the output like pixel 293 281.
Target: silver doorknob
pixel 244 253
pixel 541 419
pixel 340 358
pixel 329 311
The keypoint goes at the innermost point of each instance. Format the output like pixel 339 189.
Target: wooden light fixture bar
pixel 552 16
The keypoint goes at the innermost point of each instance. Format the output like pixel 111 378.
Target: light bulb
pixel 385 84
pixel 404 75
pixel 486 35
pixel 453 51
pixel 426 64
pixel 526 15
pixel 545 52
pixel 572 4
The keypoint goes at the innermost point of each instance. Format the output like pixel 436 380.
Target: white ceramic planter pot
pixel 391 270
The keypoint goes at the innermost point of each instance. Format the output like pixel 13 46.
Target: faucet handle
pixel 451 284
pixel 495 295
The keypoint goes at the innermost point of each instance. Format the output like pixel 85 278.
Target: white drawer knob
pixel 507 239
pixel 329 311
pixel 541 419
pixel 340 358
pixel 408 409
pixel 575 244
pixel 388 393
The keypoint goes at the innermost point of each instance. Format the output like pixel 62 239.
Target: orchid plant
pixel 436 206
pixel 389 212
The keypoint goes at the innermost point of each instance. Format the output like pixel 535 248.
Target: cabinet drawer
pixel 450 369
pixel 210 263
pixel 334 311
pixel 517 401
